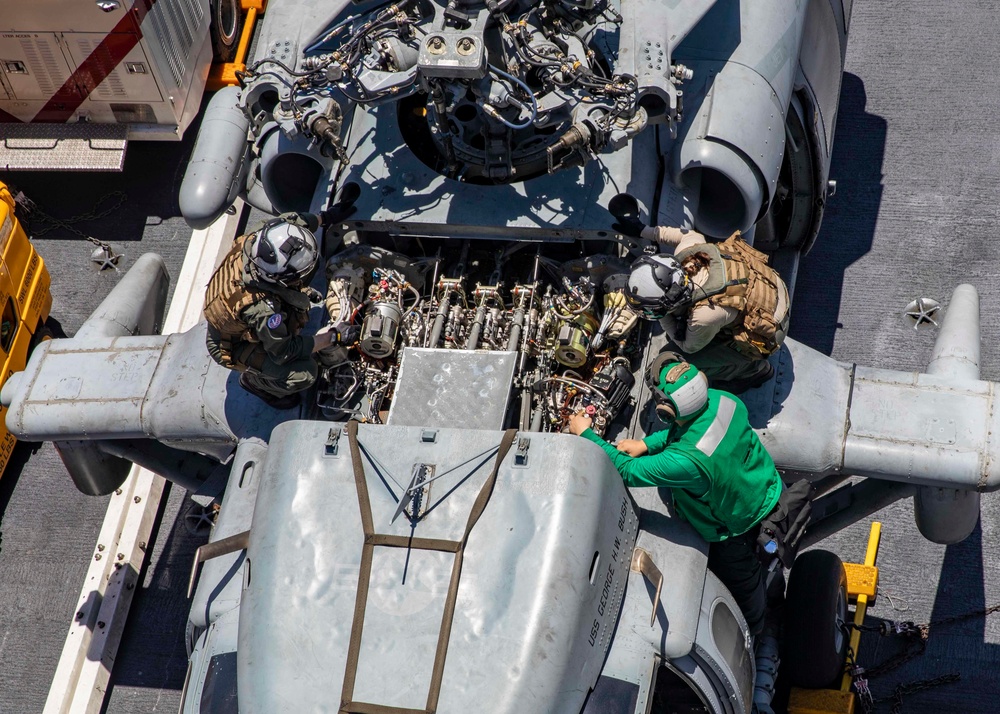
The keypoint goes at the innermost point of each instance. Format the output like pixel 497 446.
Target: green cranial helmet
pixel 680 388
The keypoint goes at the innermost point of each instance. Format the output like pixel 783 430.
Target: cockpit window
pixel 612 696
pixel 218 696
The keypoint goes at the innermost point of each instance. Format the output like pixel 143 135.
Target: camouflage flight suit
pixel 253 327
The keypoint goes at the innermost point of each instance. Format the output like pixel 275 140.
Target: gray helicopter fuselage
pixel 415 562
pixel 716 89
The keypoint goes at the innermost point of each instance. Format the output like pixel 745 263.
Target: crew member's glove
pixel 314 295
pixel 346 334
pixel 631 227
pixel 337 213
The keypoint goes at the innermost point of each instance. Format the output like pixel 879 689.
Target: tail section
pixel 948 515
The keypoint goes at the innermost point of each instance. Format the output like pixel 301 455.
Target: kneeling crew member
pixel 258 301
pixel 722 479
pixel 721 304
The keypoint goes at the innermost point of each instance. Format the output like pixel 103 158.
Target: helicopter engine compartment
pixel 487 92
pixel 575 338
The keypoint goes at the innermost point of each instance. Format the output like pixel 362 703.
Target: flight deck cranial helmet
pixel 657 285
pixel 281 252
pixel 679 388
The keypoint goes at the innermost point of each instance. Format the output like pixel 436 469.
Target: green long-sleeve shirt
pixel 659 467
pixel 722 478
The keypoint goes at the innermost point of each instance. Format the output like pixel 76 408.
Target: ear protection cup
pixel 665 412
pixel 683 400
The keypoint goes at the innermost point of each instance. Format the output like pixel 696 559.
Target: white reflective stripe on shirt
pixel 715 433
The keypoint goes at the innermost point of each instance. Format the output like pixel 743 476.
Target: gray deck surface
pixel 49 529
pixel 917 161
pixel 917 164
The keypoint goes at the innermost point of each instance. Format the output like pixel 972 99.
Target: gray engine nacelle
pixel 216 172
pixel 290 169
pixel 729 152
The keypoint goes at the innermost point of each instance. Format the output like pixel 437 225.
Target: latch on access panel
pixel 333 442
pixel 521 454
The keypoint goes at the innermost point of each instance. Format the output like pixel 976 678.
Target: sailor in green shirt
pixel 722 479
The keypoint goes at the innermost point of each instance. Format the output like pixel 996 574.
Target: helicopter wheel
pixel 815 639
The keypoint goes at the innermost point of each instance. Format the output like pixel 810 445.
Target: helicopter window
pixel 675 694
pixel 219 693
pixel 611 696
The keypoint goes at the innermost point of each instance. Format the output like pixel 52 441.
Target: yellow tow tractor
pixel 26 301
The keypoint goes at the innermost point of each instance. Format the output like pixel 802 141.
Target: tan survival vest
pixel 740 278
pixel 227 296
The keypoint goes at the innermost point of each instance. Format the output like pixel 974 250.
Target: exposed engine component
pixel 615 381
pixel 489 92
pixel 384 312
pixel 602 398
pixel 551 324
pixel 578 323
pixel 380 329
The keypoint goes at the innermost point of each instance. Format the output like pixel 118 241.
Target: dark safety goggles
pixel 644 309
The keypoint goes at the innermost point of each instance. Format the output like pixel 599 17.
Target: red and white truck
pixel 79 78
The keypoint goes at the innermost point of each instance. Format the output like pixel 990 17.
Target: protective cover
pixel 538 592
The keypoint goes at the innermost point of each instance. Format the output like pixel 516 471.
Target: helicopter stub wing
pixel 934 429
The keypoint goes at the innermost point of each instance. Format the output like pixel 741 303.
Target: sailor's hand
pixel 343 333
pixel 632 447
pixel 579 422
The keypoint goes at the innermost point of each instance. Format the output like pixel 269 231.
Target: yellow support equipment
pixel 25 301
pixel 866 575
pixel 820 701
pixel 862 585
pixel 224 75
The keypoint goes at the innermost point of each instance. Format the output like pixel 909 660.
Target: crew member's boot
pixel 738 386
pixel 286 402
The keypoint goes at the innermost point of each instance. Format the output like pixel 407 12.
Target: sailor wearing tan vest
pixel 257 303
pixel 721 304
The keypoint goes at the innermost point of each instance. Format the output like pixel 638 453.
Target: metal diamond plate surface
pixel 63 147
pixel 452 388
